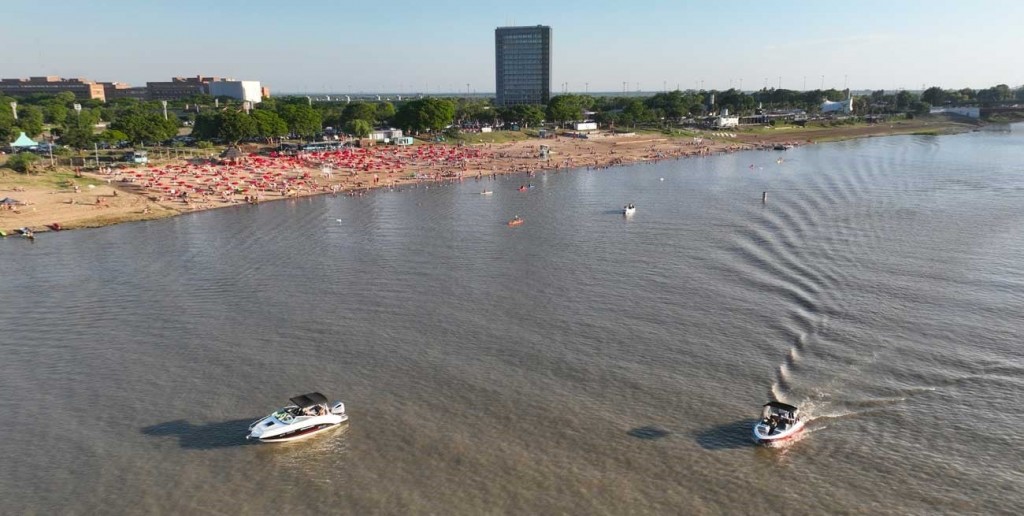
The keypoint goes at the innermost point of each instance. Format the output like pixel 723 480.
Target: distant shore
pixel 172 187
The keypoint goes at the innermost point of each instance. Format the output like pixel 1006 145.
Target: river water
pixel 582 363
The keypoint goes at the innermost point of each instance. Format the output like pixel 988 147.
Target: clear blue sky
pixel 443 44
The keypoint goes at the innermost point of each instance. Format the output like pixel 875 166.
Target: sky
pixel 448 46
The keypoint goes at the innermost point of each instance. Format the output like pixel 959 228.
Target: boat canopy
pixel 309 400
pixel 782 406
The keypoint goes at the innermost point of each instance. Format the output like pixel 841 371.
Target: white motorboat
pixel 629 209
pixel 778 422
pixel 309 415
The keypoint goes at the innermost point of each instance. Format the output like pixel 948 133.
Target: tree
pixel 903 100
pixel 269 125
pixel 429 114
pixel 301 119
pixel 530 114
pixel 635 112
pixel 920 108
pixel 564 108
pixel 358 128
pixel 54 112
pixel 206 126
pixel 30 120
pixel 78 136
pixel 385 111
pixel 24 162
pixel 935 96
pixel 234 126
pixel 112 136
pixel 142 126
pixel 365 111
pixel 6 120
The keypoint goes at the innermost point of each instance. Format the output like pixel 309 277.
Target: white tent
pixel 24 142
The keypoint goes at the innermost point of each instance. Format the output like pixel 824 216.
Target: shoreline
pixel 177 187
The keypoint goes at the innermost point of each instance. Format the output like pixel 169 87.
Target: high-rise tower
pixel 522 58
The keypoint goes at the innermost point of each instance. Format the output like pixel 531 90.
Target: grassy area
pixel 494 137
pixel 45 178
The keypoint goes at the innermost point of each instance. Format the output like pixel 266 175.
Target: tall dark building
pixel 522 57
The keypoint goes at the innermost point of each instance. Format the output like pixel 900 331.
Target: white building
pixel 385 135
pixel 241 90
pixel 972 112
pixel 727 121
pixel 839 106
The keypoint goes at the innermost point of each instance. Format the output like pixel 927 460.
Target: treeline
pixel 225 119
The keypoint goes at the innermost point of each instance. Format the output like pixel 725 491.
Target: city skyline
pixel 602 46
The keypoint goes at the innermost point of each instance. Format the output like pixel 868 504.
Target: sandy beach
pixel 170 187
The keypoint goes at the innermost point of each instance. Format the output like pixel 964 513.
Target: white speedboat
pixel 778 422
pixel 308 416
pixel 629 209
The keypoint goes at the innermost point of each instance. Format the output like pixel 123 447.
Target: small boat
pixel 307 416
pixel 516 221
pixel 779 421
pixel 487 192
pixel 629 209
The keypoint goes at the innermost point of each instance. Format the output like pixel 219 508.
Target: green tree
pixel 565 108
pixel 24 162
pixel 301 119
pixel 54 112
pixel 269 125
pixel 385 111
pixel 525 115
pixel 935 96
pixel 903 100
pixel 206 126
pixel 112 136
pixel 358 128
pixel 920 108
pixel 142 126
pixel 635 112
pixel 428 114
pixel 30 120
pixel 365 111
pixel 6 120
pixel 78 136
pixel 235 126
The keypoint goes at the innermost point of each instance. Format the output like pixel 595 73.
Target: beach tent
pixel 232 153
pixel 7 201
pixel 23 142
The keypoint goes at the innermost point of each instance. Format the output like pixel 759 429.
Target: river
pixel 582 363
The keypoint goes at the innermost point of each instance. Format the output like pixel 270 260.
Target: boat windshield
pixel 284 416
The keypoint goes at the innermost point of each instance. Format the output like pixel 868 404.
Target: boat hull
pixel 272 430
pixel 761 437
pixel 299 435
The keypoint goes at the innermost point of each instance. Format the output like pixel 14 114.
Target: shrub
pixel 23 162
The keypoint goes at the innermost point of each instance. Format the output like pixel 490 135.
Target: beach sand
pixel 155 191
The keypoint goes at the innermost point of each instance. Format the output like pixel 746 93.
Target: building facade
pixel 248 91
pixel 522 57
pixel 119 90
pixel 83 89
pixel 179 87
